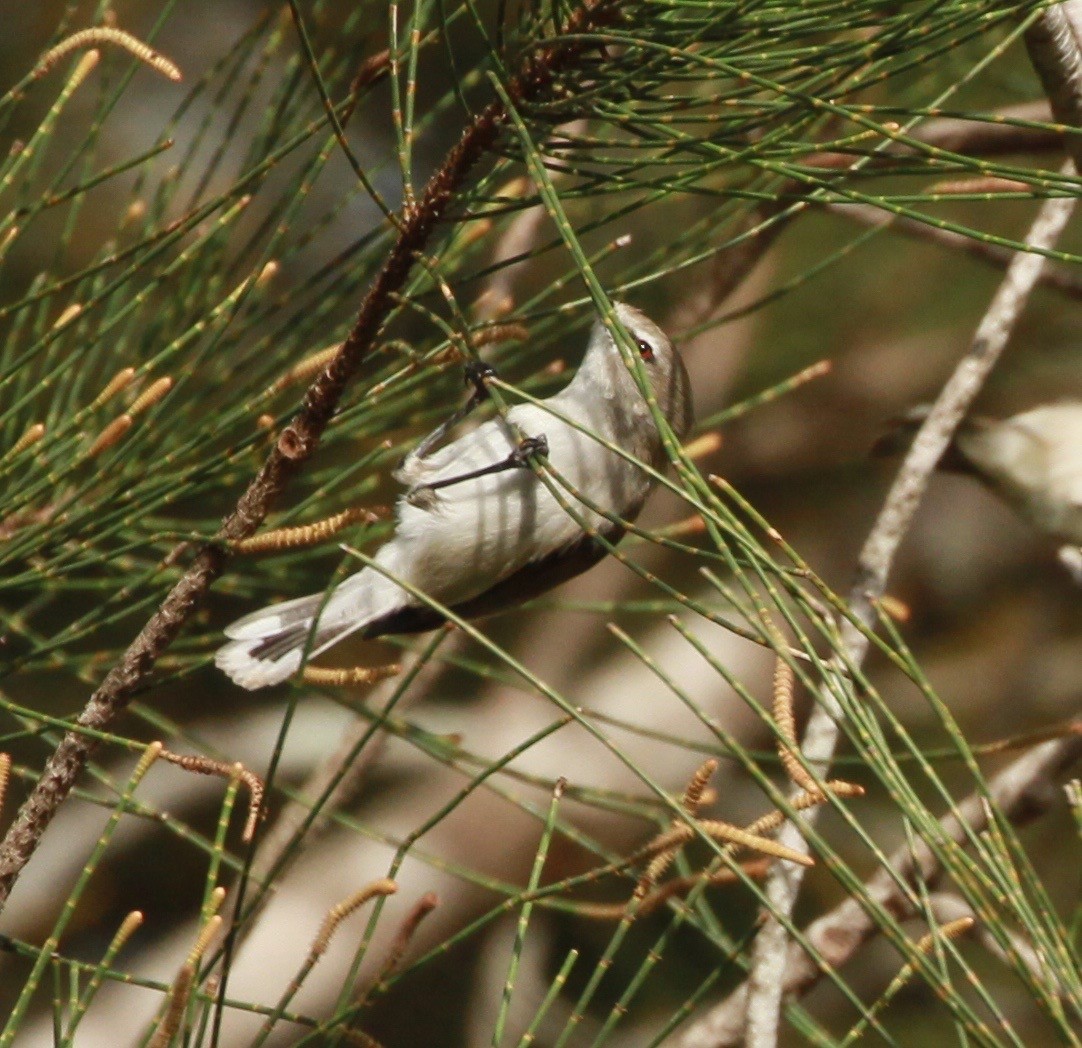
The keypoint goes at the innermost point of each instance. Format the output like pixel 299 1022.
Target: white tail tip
pixel 236 662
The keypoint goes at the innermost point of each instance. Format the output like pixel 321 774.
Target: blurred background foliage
pixel 715 163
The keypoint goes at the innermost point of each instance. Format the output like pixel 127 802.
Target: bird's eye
pixel 646 351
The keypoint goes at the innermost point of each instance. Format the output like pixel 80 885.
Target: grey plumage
pixel 1032 460
pixel 497 540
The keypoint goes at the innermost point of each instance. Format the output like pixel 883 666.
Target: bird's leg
pixel 477 372
pixel 518 459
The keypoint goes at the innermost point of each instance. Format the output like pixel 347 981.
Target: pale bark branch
pixel 873 570
pixel 1054 49
pixel 1053 277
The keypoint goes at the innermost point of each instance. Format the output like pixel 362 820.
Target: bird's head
pixel 661 361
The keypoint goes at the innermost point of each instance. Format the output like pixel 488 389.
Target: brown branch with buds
pixel 296 443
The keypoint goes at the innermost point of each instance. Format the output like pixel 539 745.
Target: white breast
pixel 463 538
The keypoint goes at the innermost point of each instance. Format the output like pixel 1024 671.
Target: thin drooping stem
pixel 295 445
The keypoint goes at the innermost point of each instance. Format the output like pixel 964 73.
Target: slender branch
pixel 873 569
pixel 297 442
pixel 983 138
pixel 953 402
pixel 1055 53
pixel 1057 278
pixel 987 138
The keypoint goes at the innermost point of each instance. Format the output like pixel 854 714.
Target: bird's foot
pixel 477 374
pixel 527 448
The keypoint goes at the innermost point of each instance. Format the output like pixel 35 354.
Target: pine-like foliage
pixel 243 296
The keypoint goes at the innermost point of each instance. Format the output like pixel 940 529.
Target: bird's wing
pixel 482 446
pixel 531 580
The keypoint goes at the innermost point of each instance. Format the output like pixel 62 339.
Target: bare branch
pixel 1057 278
pixel 873 569
pixel 1054 48
pixel 984 138
pixel 993 137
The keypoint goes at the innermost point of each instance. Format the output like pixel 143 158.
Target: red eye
pixel 646 351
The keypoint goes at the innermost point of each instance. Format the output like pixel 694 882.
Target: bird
pixel 1032 460
pixel 477 529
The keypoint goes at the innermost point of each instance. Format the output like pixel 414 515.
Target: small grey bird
pixel 478 530
pixel 1032 461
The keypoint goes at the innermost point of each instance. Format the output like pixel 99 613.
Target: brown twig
pixel 399 945
pixel 295 445
pixel 201 765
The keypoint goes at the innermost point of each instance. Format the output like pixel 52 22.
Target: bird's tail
pixel 266 647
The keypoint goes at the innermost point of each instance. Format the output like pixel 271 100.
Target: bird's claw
pixel 529 446
pixel 477 373
pixel 423 495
